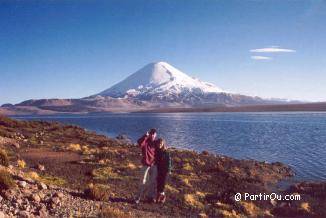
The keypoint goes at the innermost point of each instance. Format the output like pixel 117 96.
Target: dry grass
pixel 109 212
pixel 21 164
pixel 74 147
pixel 230 214
pixel 48 180
pixel 305 206
pixel 6 181
pixel 4 160
pixel 188 167
pixel 171 189
pixel 98 192
pixel 104 173
pixel 192 200
pixel 252 210
pixel 132 166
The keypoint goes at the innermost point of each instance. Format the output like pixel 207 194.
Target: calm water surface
pixel 297 139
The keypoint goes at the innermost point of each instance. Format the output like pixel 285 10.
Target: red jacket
pixel 148 148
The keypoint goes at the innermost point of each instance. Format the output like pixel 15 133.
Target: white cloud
pixel 261 58
pixel 272 50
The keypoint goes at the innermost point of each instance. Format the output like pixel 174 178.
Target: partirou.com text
pixel 266 197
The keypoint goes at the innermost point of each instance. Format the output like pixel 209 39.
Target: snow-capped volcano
pixel 157 86
pixel 159 78
pixel 164 85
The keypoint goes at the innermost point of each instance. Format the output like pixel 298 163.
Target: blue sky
pixel 75 48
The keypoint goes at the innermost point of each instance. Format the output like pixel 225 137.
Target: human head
pixel 152 134
pixel 161 144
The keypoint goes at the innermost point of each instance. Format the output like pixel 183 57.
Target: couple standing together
pixel 156 161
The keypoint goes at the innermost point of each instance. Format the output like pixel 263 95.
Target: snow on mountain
pixel 159 78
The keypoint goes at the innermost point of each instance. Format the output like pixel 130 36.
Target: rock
pixel 15 145
pixel 19 201
pixel 29 180
pixel 205 152
pixel 43 213
pixel 8 195
pixel 22 184
pixel 42 195
pixel 41 167
pixel 26 192
pixel 123 138
pixel 36 198
pixel 202 215
pixel 55 200
pixel 42 186
pixel 1 198
pixel 23 214
pixel 58 194
pixel 2 215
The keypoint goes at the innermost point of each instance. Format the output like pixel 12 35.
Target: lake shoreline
pixel 201 183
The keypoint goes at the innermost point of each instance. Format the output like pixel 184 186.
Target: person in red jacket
pixel 149 146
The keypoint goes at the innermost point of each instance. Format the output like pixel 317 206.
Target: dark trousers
pixel 161 180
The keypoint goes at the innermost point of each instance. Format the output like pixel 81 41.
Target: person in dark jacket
pixel 164 166
pixel 149 146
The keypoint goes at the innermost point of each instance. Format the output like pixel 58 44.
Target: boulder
pixel 41 167
pixel 22 184
pixel 124 139
pixel 42 186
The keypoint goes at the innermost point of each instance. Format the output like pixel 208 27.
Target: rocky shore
pixel 55 170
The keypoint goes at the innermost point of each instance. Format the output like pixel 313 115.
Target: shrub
pixel 305 206
pixel 4 161
pixel 98 192
pixel 188 167
pixel 132 166
pixel 109 212
pixel 171 189
pixel 48 180
pixel 104 173
pixel 21 163
pixel 32 175
pixel 75 147
pixel 191 200
pixel 6 181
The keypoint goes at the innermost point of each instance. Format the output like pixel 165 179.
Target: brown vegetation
pixel 201 184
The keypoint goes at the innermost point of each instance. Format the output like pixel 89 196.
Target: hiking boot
pixel 161 198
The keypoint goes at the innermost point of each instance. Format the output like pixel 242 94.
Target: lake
pixel 294 138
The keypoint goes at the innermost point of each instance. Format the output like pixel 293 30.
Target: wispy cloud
pixel 261 58
pixel 272 50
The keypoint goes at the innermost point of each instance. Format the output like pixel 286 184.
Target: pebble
pixel 22 184
pixel 42 186
pixel 36 198
pixel 59 194
pixel 23 214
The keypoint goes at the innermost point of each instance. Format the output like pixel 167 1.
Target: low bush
pixel 109 212
pixel 104 173
pixel 21 164
pixel 4 160
pixel 48 180
pixel 98 192
pixel 6 181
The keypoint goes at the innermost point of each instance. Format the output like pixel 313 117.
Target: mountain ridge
pixel 157 85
